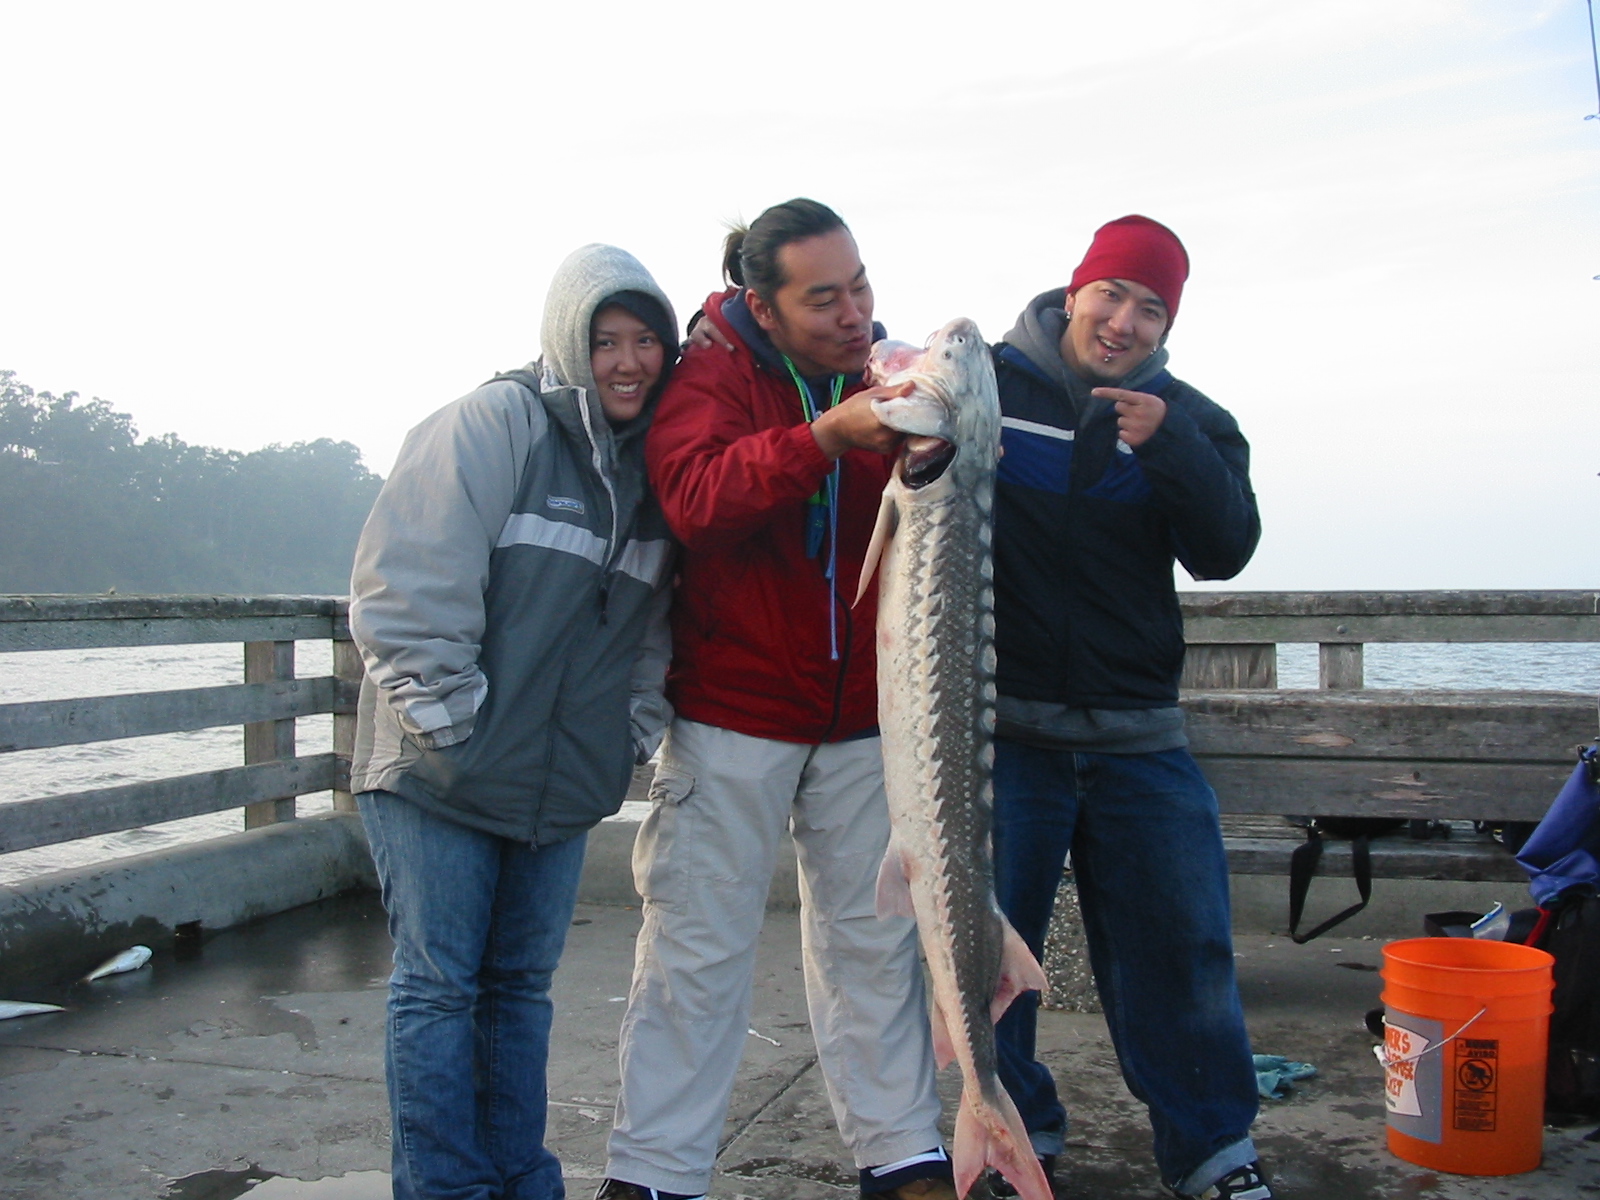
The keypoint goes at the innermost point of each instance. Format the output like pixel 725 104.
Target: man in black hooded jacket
pixel 1112 470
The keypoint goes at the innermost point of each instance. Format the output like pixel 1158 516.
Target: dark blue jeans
pixel 478 923
pixel 1152 881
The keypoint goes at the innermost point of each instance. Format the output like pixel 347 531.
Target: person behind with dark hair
pixel 770 463
pixel 509 601
pixel 1111 470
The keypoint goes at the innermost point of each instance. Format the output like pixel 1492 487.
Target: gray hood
pixel 585 278
pixel 1037 334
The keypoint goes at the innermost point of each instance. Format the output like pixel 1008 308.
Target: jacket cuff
pixel 809 454
pixel 450 735
pixel 644 749
pixel 1177 429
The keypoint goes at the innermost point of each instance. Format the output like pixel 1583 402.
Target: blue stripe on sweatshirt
pixel 1036 456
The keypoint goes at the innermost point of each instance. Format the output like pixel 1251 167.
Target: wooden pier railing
pixel 1341 749
pixel 266 704
pixel 1346 750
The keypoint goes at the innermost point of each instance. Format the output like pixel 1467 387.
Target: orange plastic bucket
pixel 1466 1026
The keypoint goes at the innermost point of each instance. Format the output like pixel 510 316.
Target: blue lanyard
pixel 822 509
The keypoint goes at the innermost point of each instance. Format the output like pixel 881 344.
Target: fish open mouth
pixel 924 459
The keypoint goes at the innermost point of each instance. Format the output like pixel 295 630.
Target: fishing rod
pixel 1594 55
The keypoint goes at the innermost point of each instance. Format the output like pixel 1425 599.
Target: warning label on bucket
pixel 1412 1076
pixel 1477 1075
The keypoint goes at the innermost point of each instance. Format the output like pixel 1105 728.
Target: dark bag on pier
pixel 1562 858
pixel 1360 830
pixel 1572 935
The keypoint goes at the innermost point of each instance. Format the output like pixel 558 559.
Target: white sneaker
pixel 1242 1183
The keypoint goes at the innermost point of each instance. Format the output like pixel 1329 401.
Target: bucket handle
pixel 1382 1051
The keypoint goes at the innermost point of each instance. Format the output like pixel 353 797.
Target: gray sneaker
pixel 1242 1183
pixel 1002 1188
pixel 617 1189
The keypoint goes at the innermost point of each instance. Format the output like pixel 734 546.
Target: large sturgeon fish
pixel 936 710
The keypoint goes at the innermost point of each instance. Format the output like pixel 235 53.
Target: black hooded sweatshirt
pixel 1088 630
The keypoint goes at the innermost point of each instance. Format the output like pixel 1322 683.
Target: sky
pixel 254 224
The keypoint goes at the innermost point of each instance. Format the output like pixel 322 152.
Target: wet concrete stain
pixel 789 1168
pixel 264 1185
pixel 98 1115
pixel 215 1185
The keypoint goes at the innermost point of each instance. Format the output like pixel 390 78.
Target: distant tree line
pixel 85 506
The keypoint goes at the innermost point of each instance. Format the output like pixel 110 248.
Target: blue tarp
pixel 1564 851
pixel 1274 1074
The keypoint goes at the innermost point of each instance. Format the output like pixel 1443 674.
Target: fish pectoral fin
pixel 944 1046
pixel 894 885
pixel 1019 972
pixel 882 533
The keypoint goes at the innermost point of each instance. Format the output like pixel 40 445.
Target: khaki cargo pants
pixel 703 863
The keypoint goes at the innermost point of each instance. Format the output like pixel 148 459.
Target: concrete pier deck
pixel 254 1067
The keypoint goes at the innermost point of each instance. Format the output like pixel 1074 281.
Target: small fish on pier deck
pixel 25 1008
pixel 130 959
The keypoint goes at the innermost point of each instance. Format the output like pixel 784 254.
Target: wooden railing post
pixel 268 741
pixel 348 670
pixel 1227 666
pixel 1340 666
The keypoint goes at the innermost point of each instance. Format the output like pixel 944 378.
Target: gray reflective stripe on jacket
pixel 509 599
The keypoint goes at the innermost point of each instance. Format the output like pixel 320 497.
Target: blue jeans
pixel 1152 881
pixel 478 923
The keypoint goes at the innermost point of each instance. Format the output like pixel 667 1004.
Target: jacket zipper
pixel 844 663
pixel 613 551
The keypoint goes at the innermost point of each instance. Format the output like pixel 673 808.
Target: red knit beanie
pixel 1138 249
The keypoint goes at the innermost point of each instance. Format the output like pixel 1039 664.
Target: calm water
pixel 62 674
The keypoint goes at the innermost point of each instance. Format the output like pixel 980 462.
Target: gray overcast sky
pixel 271 223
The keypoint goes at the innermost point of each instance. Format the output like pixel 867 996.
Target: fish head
pixel 952 413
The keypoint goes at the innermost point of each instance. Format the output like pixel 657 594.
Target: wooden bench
pixel 1344 750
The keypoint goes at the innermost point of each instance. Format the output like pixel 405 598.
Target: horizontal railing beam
pixel 39 724
pixel 96 607
pixel 175 631
pixel 25 824
pixel 1392 604
pixel 1384 788
pixel 1349 618
pixel 1446 726
pixel 1391 858
pixel 94 622
pixel 1200 628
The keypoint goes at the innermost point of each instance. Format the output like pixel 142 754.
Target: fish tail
pixel 989 1133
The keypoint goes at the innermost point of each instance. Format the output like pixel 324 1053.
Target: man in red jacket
pixel 769 464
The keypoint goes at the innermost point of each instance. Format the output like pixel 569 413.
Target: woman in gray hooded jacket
pixel 509 601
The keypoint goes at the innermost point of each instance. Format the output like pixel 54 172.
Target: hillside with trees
pixel 88 507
